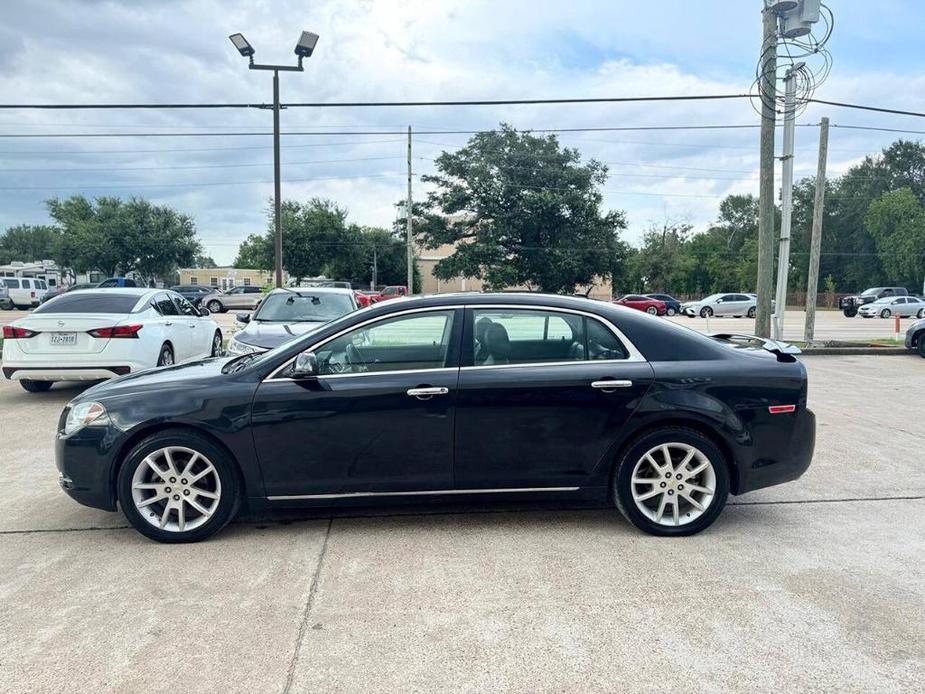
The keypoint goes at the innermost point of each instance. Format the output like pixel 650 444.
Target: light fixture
pixel 779 6
pixel 306 44
pixel 244 48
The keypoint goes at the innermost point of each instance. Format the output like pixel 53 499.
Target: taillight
pixel 116 331
pixel 13 333
pixel 782 409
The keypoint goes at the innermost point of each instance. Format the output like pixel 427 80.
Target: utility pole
pixel 768 91
pixel 783 256
pixel 408 223
pixel 375 279
pixel 816 242
pixel 277 204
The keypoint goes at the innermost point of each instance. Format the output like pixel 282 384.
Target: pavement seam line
pixel 307 611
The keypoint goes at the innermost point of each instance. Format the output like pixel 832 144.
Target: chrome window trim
pixel 375 319
pixel 428 492
pixel 634 355
pixel 442 369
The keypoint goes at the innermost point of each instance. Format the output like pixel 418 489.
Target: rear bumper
pixel 785 457
pixel 48 372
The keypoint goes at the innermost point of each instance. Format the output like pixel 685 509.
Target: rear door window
pixel 165 306
pixel 11 283
pixel 89 302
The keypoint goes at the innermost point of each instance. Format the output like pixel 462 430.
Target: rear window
pixel 89 302
pixel 11 283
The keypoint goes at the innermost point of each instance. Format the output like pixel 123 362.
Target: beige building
pixel 427 259
pixel 227 277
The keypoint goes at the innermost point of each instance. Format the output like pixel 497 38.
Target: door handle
pixel 427 393
pixel 610 384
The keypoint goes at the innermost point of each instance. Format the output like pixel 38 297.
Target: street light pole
pixel 303 49
pixel 277 195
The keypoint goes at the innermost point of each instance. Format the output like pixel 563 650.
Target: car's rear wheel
pixel 751 312
pixel 177 486
pixel 35 386
pixel 706 312
pixel 216 344
pixel 165 358
pixel 885 313
pixel 672 481
pixel 921 313
pixel 921 345
pixel 215 306
pixel 652 311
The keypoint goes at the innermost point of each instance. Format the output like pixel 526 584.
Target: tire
pixel 166 356
pixel 215 306
pixel 652 311
pixel 706 312
pixel 921 345
pixel 752 312
pixel 921 313
pixel 35 386
pixel 690 520
pixel 154 512
pixel 885 313
pixel 671 312
pixel 850 312
pixel 216 344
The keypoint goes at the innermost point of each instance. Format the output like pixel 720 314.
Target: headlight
pixel 85 414
pixel 236 347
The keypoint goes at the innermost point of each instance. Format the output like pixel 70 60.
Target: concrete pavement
pixel 818 585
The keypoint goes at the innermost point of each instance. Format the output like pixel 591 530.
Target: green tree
pixel 520 210
pixel 896 221
pixel 255 253
pixel 28 242
pixel 662 255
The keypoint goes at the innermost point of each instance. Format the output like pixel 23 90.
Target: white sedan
pixel 904 306
pixel 91 334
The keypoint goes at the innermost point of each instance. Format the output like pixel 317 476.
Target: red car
pixel 644 303
pixel 363 298
pixel 391 292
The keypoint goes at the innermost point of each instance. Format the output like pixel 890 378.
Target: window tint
pixel 602 343
pixel 522 336
pixel 184 306
pixel 728 297
pixel 40 284
pixel 251 290
pixel 11 283
pixel 418 341
pixel 27 284
pixel 741 297
pixel 87 301
pixel 165 306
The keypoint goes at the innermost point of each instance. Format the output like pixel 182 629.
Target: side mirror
pixel 243 317
pixel 204 312
pixel 306 366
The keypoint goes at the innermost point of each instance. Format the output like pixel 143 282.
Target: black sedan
pixel 464 396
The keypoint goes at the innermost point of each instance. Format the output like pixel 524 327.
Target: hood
pixel 269 335
pixel 168 377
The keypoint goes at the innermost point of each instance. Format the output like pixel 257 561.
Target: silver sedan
pixel 888 306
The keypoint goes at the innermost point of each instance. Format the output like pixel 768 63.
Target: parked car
pixel 363 299
pixel 194 293
pixel 5 300
pixel 391 292
pixel 643 303
pixel 120 282
pixel 479 396
pixel 235 298
pixel 287 313
pixel 25 292
pixel 903 306
pixel 63 289
pixel 672 305
pixel 915 337
pixel 98 334
pixel 736 305
pixel 850 305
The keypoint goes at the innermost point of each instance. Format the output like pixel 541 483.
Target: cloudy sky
pixel 169 51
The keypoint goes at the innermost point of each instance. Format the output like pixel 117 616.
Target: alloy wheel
pixel 652 310
pixel 176 489
pixel 217 345
pixel 214 307
pixel 706 312
pixel 166 357
pixel 885 313
pixel 671 312
pixel 673 484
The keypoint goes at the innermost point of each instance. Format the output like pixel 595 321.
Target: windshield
pixel 713 297
pixel 301 308
pixel 871 291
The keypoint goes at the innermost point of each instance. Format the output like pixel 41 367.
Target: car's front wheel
pixel 670 312
pixel 177 486
pixel 921 313
pixel 215 306
pixel 35 386
pixel 216 344
pixel 885 313
pixel 921 345
pixel 671 481
pixel 706 312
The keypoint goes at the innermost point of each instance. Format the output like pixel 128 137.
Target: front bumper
pixel 84 461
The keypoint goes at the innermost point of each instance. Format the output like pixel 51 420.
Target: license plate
pixel 60 339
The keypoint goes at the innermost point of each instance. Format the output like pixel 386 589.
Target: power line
pixel 196 166
pixel 199 184
pixel 861 107
pixel 197 149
